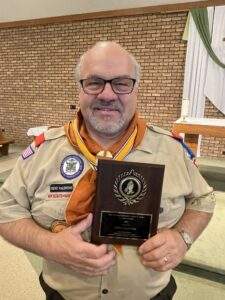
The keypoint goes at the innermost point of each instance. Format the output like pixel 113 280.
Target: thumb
pixel 82 225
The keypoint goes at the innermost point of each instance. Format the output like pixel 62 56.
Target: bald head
pixel 110 53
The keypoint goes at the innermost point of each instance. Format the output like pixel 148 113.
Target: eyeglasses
pixel 96 85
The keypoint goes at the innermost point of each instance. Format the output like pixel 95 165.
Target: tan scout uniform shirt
pixel 29 193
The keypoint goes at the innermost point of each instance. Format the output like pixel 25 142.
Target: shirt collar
pixel 145 145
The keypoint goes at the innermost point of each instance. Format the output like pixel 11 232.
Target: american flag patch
pixel 27 152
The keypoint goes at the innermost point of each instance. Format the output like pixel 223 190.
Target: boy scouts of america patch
pixel 27 152
pixel 129 187
pixel 71 166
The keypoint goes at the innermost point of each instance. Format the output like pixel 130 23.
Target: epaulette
pixel 158 129
pixel 175 136
pixel 50 134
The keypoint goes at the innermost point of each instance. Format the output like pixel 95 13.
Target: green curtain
pixel 200 17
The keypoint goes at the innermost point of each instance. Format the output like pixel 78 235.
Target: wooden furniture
pixel 193 127
pixel 4 143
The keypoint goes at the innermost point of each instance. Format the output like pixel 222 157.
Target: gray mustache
pixel 101 104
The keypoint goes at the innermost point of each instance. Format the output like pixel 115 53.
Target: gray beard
pixel 109 128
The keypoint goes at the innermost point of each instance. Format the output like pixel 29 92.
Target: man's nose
pixel 107 93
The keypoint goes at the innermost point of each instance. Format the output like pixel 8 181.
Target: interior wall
pixel 37 69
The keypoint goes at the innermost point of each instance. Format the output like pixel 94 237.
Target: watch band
pixel 186 238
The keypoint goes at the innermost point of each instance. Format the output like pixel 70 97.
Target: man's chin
pixel 107 119
pixel 108 128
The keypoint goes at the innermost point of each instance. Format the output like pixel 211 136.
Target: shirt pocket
pixel 44 212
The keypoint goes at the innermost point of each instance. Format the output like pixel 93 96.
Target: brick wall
pixel 37 69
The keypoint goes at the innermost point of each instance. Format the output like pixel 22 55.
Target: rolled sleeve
pixel 202 197
pixel 204 203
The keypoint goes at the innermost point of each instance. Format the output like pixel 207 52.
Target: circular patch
pixel 71 166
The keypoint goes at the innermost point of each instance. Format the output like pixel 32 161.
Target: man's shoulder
pixel 54 133
pixel 171 139
pixel 158 130
pixel 51 134
pixel 156 137
pixel 44 142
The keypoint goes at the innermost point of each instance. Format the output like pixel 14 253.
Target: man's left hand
pixel 163 251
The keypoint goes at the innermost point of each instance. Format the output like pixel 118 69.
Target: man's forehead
pixel 107 64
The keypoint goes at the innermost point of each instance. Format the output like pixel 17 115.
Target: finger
pixel 90 250
pixel 95 268
pixel 82 225
pixel 101 263
pixel 105 261
pixel 154 242
pixel 161 263
pixel 156 254
pixel 90 266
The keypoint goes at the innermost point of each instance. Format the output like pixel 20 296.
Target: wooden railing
pixel 193 127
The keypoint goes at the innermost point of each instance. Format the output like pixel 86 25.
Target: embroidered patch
pixel 57 195
pixel 71 166
pixel 61 187
pixel 27 152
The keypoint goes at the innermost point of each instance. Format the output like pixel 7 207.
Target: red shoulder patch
pixel 40 139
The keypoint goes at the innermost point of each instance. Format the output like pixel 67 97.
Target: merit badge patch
pixel 27 152
pixel 71 166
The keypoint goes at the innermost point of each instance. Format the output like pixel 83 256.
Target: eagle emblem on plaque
pixel 129 187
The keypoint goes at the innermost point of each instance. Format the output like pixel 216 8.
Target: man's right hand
pixel 69 249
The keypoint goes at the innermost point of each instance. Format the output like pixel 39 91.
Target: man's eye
pixel 121 83
pixel 93 84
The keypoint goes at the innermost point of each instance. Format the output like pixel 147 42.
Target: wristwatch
pixel 186 238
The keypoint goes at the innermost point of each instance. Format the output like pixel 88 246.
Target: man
pixel 46 202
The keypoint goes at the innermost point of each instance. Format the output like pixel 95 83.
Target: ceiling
pixel 14 10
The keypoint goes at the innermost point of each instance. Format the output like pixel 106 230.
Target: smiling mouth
pixel 106 109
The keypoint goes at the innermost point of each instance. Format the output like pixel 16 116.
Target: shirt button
pixel 105 291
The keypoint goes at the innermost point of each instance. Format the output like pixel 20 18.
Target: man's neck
pixel 103 140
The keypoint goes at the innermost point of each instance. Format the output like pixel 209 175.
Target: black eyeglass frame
pixel 108 81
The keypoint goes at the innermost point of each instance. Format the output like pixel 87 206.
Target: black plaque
pixel 127 202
